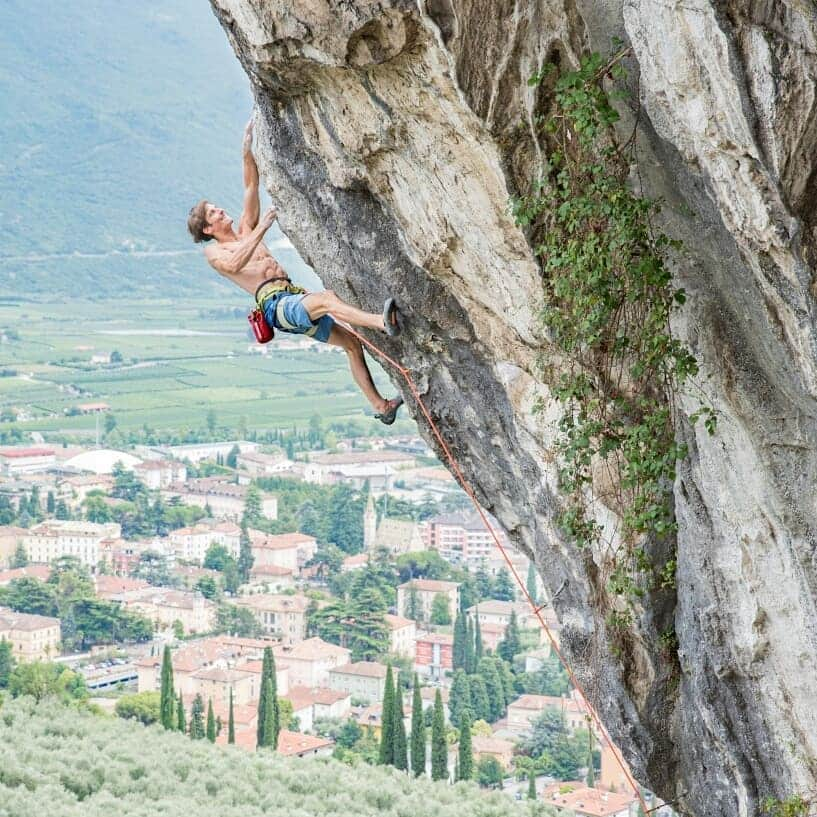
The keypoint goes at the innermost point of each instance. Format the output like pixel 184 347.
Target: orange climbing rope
pixel 537 609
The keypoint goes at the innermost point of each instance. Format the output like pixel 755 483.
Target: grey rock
pixel 391 133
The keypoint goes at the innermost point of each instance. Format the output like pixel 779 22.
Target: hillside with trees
pixel 71 762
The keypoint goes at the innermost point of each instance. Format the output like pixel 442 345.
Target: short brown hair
pixel 197 221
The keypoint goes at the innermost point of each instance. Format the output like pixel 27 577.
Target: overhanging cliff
pixel 391 135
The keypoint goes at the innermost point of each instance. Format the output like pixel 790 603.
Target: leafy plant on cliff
pixel 608 299
pixel 794 806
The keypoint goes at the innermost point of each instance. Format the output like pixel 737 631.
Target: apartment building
pixel 225 499
pixel 310 661
pixel 462 538
pixel 362 679
pixel 402 632
pixel 32 638
pixel 434 655
pixel 281 616
pixel 424 592
pixel 55 538
pixel 164 606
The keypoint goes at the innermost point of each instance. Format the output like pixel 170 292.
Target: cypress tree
pixel 510 645
pixel 197 719
pixel 211 722
pixel 245 557
pixel 591 772
pixel 400 747
pixel 271 699
pixel 458 648
pixel 167 694
pixel 480 705
pixel 6 662
pixel 460 698
pixel 439 748
pixel 418 732
pixel 271 726
pixel 531 785
pixel 530 583
pixel 386 756
pixel 180 724
pixel 470 664
pixel 479 650
pixel 231 721
pixel 465 757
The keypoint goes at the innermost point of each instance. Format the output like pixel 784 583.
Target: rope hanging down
pixel 537 610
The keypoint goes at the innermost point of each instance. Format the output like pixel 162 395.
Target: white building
pixel 356 467
pixel 310 661
pixel 32 637
pixel 160 473
pixel 425 591
pixel 55 538
pixel 288 550
pixel 196 452
pixel 363 679
pixel 262 465
pixel 225 499
pixel 192 543
pixel 280 615
pixel 17 461
pixel 402 632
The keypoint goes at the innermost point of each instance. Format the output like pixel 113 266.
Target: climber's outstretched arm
pixel 252 204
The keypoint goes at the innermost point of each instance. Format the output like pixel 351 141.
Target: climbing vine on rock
pixel 608 298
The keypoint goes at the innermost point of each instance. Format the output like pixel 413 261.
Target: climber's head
pixel 206 221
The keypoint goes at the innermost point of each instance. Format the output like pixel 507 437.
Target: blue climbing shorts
pixel 286 312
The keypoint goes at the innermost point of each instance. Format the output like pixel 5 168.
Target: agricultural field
pixel 176 362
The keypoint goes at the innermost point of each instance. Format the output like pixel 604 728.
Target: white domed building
pixel 102 461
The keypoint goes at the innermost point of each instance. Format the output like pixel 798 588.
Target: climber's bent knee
pixel 346 340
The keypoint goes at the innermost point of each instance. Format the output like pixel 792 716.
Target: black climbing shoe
pixel 388 416
pixel 390 318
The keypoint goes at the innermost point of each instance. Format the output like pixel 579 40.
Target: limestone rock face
pixel 391 134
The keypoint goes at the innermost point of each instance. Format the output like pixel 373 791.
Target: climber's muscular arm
pixel 252 204
pixel 232 260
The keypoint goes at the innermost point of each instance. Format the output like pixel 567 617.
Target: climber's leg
pixel 318 304
pixel 360 371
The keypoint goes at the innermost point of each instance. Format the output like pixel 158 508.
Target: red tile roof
pixel 301 696
pixel 296 743
pixel 11 453
pixel 41 572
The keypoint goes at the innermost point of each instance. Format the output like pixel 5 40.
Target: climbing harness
pixel 537 609
pixel 266 290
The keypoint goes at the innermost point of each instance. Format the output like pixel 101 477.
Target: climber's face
pixel 217 219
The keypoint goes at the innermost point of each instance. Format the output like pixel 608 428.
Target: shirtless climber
pixel 242 258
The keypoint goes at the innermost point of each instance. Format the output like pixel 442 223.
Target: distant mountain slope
pixel 114 119
pixel 58 761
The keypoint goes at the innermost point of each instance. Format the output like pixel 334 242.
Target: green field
pixel 166 381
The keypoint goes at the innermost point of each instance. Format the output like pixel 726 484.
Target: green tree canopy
pixel 141 706
pixel 43 679
pixel 440 610
pixel 489 773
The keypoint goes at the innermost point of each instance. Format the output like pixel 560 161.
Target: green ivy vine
pixel 794 806
pixel 608 299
